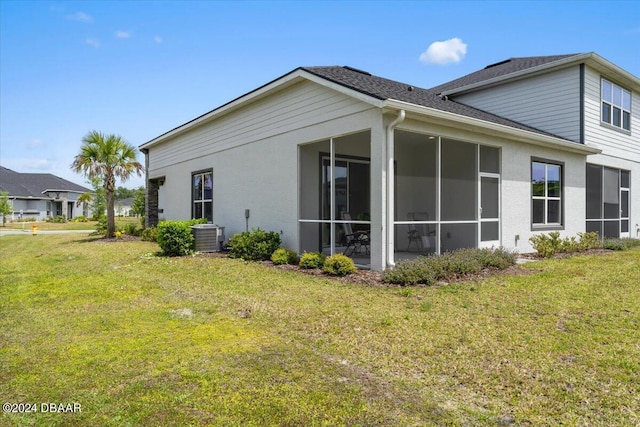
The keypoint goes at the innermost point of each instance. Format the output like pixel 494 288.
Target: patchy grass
pixel 70 225
pixel 143 340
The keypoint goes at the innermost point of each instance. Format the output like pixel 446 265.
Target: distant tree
pixel 139 202
pixel 124 193
pixel 99 205
pixel 5 206
pixel 84 200
pixel 108 157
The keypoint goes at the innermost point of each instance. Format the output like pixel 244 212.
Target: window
pixel 608 201
pixel 202 191
pixel 616 105
pixel 546 192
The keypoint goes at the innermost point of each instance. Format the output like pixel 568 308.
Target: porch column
pixel 378 194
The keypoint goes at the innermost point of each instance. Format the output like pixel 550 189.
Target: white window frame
pixel 202 174
pixel 546 198
pixel 611 103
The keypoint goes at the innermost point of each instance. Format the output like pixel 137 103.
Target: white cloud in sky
pixel 81 17
pixel 34 144
pixel 123 34
pixel 157 39
pixel 444 52
pixel 93 42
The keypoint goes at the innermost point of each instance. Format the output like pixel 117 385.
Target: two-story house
pixel 524 146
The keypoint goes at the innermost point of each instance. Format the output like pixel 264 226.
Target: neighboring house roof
pixel 35 184
pixel 125 202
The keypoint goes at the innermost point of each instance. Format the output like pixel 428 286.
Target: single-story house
pixel 123 207
pixel 323 154
pixel 42 195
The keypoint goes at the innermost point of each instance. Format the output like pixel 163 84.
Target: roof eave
pixel 520 135
pixel 280 83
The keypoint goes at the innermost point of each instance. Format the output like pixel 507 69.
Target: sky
pixel 140 68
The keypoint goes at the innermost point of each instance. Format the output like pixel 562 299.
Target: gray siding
pixel 613 142
pixel 549 102
pixel 302 105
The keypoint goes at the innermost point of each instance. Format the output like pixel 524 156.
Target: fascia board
pixel 276 85
pixel 484 126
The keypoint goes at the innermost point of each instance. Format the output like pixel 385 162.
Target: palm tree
pixel 107 157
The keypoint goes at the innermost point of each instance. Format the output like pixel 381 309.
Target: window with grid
pixel 546 194
pixel 616 105
pixel 202 194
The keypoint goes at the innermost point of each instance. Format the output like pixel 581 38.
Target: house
pixel 42 195
pixel 123 207
pixel 524 146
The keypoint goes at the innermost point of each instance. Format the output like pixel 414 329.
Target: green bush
pixel 428 270
pixel 56 219
pixel 549 245
pixel 175 238
pixel 312 260
pixel 284 256
pixel 339 265
pixel 256 245
pixel 80 219
pixel 620 244
pixel 150 234
pixel 132 229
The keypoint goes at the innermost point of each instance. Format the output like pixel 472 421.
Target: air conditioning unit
pixel 208 237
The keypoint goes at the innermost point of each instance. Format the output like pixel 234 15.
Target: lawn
pixel 137 339
pixel 70 225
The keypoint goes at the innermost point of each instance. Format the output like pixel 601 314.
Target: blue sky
pixel 139 69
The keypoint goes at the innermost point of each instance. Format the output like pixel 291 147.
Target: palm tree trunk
pixel 109 189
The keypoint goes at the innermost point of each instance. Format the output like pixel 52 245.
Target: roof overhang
pixel 591 59
pixel 279 84
pixel 495 129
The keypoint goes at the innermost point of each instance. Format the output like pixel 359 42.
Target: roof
pixel 500 69
pixel 34 184
pixel 383 92
pixel 385 89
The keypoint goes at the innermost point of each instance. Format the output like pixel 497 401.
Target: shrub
pixel 546 245
pixel 150 234
pixel 81 219
pixel 256 245
pixel 56 219
pixel 339 265
pixel 175 238
pixel 132 229
pixel 588 240
pixel 312 260
pixel 284 256
pixel 620 244
pixel 427 270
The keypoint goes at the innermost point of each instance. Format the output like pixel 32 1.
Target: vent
pixel 497 63
pixel 346 67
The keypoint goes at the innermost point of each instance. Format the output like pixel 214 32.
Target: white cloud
pixel 123 34
pixel 93 42
pixel 444 52
pixel 34 144
pixel 81 17
pixel 157 39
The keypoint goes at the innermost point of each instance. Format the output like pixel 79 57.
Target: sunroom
pixel 443 194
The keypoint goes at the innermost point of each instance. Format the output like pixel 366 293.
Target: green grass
pixel 70 225
pixel 141 340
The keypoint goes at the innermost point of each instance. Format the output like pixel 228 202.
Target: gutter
pixel 390 187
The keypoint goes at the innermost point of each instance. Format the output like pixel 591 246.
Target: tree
pixel 139 202
pixel 5 206
pixel 83 200
pixel 124 193
pixel 107 157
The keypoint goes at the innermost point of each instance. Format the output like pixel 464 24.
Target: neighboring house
pixel 42 195
pixel 525 146
pixel 123 207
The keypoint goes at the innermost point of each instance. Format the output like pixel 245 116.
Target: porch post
pixel 378 193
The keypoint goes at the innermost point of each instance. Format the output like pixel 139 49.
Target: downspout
pixel 390 187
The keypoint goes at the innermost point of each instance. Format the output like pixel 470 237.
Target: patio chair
pixel 354 241
pixel 420 234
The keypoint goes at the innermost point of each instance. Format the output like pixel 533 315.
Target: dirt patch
pixel 123 238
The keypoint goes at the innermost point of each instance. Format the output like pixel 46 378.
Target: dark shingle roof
pixel 381 88
pixel 500 69
pixel 33 184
